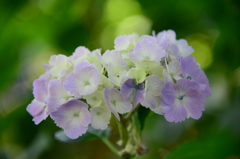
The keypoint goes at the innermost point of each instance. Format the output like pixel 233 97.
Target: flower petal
pixel 154 85
pixel 57 95
pixel 100 117
pixel 115 102
pixel 168 93
pixel 35 107
pixel 40 89
pixel 108 96
pixel 40 117
pixel 84 79
pixel 146 50
pixel 175 113
pixel 73 117
pixel 150 101
pixel 175 68
pixel 74 130
pixel 132 91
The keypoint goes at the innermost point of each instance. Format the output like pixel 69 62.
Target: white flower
pixel 100 117
pixel 59 63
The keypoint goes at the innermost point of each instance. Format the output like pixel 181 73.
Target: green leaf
pixel 142 115
pixel 91 134
pixel 136 122
pixel 218 145
pixel 139 118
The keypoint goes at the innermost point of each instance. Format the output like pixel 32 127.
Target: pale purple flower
pixel 149 38
pixel 175 47
pixel 93 58
pixel 113 57
pixel 73 117
pixel 58 63
pixel 147 50
pixel 115 102
pixel 80 53
pixel 153 87
pixel 191 71
pixel 47 67
pixel 165 38
pixel 40 89
pixel 133 91
pixel 116 73
pixel 183 100
pixel 163 43
pixel 173 52
pixel 184 49
pixel 57 95
pixel 46 76
pixel 63 74
pixel 173 71
pixel 83 80
pixel 169 34
pixel 37 108
pixel 126 42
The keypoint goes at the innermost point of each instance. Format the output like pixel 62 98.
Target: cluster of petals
pixel 87 87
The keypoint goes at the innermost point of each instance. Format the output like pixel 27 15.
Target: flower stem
pixel 123 132
pixel 131 113
pixel 110 146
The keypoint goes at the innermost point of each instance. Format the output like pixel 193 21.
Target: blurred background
pixel 33 30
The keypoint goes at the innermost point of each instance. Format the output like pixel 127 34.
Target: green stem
pixel 120 129
pixel 123 132
pixel 111 147
pixel 131 113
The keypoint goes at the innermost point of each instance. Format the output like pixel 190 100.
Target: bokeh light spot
pixel 117 10
pixel 134 24
pixel 203 49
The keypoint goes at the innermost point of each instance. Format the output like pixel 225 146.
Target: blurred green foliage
pixel 33 30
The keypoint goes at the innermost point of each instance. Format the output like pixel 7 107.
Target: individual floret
pixel 83 80
pixel 182 100
pixel 73 117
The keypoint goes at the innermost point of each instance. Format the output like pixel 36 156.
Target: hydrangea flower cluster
pixel 85 88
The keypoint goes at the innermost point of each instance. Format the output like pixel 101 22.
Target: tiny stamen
pixel 113 102
pixel 181 97
pixel 189 77
pixel 86 83
pixel 75 114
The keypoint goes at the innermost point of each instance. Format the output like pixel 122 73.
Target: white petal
pixel 150 101
pixel 137 73
pixel 147 65
pixel 55 71
pixel 158 109
pixel 157 71
pixel 100 117
pixel 86 90
pixel 95 99
pixel 108 93
pixel 168 78
pixel 175 67
pixel 123 107
pixel 154 85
